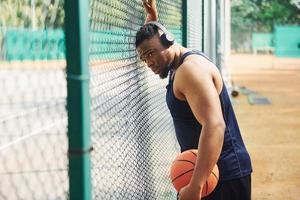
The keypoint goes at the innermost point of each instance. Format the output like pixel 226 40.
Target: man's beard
pixel 164 72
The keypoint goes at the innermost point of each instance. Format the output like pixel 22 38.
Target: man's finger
pixel 146 5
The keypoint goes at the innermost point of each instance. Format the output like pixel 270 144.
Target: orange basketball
pixel 182 170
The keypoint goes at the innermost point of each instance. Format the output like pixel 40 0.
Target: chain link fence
pixel 132 131
pixel 33 122
pixel 133 137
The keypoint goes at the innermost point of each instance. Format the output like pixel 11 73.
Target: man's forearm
pixel 209 149
pixel 153 17
pixel 151 10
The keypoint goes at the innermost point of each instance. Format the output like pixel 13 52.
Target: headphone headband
pixel 167 38
pixel 159 25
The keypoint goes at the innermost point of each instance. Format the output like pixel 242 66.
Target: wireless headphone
pixel 166 38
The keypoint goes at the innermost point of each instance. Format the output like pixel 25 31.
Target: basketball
pixel 182 170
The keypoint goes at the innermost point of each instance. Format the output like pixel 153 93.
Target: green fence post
pixel 218 46
pixel 184 23
pixel 202 24
pixel 78 99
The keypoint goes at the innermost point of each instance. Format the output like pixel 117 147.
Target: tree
pixel 272 12
pixel 17 13
pixel 250 16
pixel 241 24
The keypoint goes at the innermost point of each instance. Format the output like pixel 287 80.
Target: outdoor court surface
pixel 271 132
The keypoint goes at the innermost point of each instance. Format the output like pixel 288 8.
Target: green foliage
pixel 273 12
pixel 19 13
pixel 264 14
pixel 249 16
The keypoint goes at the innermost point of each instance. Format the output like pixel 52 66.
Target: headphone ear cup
pixel 170 39
pixel 166 41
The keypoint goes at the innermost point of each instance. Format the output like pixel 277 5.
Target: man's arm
pixel 150 8
pixel 200 92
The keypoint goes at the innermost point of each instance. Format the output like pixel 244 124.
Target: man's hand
pixel 150 8
pixel 189 193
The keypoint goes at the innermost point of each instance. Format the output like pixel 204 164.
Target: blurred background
pixel 265 67
pixel 82 118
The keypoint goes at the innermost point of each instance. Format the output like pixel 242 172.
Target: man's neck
pixel 178 52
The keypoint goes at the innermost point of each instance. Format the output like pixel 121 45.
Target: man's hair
pixel 147 31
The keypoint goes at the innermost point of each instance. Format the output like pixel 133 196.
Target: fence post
pixel 184 23
pixel 78 99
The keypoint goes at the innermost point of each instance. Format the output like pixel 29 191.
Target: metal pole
pixel 203 25
pixel 33 15
pixel 78 99
pixel 184 23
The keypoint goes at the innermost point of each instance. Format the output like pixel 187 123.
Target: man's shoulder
pixel 195 64
pixel 191 72
pixel 196 70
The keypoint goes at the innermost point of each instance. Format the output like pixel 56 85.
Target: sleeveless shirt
pixel 234 160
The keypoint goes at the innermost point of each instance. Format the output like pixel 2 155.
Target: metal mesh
pixel 195 24
pixel 132 131
pixel 33 142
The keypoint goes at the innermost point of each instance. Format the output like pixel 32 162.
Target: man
pixel 201 109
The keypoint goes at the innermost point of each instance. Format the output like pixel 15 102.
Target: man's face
pixel 154 54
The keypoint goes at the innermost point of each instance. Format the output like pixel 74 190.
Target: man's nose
pixel 149 63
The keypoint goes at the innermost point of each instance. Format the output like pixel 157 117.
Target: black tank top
pixel 234 161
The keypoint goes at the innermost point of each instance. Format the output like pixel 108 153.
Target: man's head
pixel 153 44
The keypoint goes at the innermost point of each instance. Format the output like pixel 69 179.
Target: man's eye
pixel 146 57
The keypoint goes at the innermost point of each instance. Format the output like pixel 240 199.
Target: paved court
pixel 271 132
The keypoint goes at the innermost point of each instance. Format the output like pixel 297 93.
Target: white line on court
pixel 36 132
pixel 28 111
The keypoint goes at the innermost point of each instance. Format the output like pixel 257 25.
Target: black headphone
pixel 167 39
